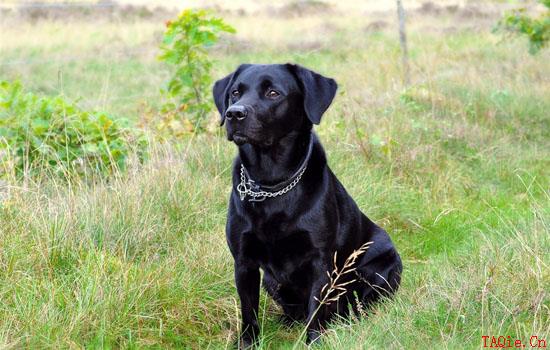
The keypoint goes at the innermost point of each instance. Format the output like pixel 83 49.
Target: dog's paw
pixel 313 337
pixel 246 343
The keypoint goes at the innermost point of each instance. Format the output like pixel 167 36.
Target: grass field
pixel 456 168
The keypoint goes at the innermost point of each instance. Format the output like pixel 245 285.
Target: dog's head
pixel 260 104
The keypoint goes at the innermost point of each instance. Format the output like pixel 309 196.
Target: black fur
pixel 293 237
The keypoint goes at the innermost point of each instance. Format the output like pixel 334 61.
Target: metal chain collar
pixel 251 189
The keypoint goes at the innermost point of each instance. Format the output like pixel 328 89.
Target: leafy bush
pixel 185 45
pixel 50 134
pixel 537 30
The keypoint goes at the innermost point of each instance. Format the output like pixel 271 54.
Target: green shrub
pixel 48 134
pixel 537 30
pixel 185 45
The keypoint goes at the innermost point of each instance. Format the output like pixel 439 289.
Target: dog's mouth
pixel 240 139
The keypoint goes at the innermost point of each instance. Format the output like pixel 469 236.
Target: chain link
pixel 248 188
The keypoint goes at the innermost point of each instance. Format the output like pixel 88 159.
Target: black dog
pixel 288 213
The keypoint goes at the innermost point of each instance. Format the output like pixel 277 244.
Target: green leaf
pixel 40 126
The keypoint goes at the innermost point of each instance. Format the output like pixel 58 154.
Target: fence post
pixel 403 41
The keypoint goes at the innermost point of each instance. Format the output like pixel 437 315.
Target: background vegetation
pixel 185 45
pixel 42 135
pixel 454 166
pixel 537 30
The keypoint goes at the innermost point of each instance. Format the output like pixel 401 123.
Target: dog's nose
pixel 236 111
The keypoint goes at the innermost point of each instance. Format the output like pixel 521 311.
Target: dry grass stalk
pixel 334 289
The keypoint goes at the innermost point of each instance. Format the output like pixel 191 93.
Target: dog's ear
pixel 318 91
pixel 221 95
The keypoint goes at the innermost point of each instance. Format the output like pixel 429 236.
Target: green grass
pixel 456 168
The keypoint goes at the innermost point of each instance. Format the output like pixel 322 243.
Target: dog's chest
pixel 288 258
pixel 280 248
pixel 278 240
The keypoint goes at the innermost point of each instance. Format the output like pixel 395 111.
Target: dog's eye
pixel 272 94
pixel 235 93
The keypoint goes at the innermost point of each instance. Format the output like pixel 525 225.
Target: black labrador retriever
pixel 288 213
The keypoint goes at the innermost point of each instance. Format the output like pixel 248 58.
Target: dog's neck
pixel 276 163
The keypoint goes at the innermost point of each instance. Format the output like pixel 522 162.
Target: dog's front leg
pixel 247 278
pixel 318 309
